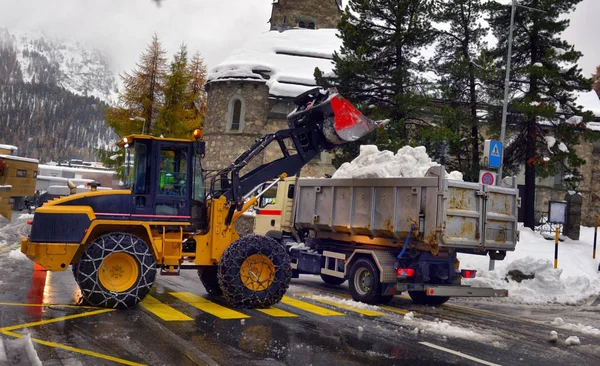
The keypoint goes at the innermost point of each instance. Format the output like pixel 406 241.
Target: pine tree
pixel 183 110
pixel 142 94
pixel 463 70
pixel 379 64
pixel 544 78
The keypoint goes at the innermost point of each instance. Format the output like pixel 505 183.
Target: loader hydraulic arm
pixel 322 119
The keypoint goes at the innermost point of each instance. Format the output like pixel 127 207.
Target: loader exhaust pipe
pixel 338 119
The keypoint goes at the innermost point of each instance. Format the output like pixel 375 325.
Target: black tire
pixel 87 271
pixel 209 278
pixel 364 281
pixel 236 283
pixel 331 280
pixel 419 298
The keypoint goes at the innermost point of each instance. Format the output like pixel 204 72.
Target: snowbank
pixel 407 162
pixel 576 279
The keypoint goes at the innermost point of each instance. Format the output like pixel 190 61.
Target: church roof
pixel 285 61
pixel 338 2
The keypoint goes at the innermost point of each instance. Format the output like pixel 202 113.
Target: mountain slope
pixel 49 98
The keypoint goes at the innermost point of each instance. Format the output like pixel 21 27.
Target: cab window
pixel 172 179
pixel 269 198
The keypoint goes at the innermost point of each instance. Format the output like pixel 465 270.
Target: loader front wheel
pixel 208 277
pixel 117 270
pixel 254 272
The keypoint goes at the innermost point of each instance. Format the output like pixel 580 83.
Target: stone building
pixel 251 92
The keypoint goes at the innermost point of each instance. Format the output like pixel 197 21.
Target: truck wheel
pixel 331 280
pixel 254 272
pixel 364 281
pixel 117 270
pixel 419 298
pixel 208 277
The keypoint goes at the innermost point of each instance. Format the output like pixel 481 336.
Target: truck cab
pixel 275 207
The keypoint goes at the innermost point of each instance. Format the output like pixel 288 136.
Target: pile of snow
pixel 572 341
pixel 407 162
pixel 576 279
pixel 581 328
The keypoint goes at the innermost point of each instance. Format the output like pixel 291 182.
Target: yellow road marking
pixel 309 307
pixel 48 305
pixel 163 311
pixel 350 307
pixel 396 310
pixel 73 349
pixel 278 313
pixel 208 306
pixel 55 320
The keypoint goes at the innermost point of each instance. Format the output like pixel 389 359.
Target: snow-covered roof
pixel 285 61
pixel 9 147
pixel 19 158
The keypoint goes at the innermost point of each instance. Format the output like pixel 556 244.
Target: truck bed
pixel 445 213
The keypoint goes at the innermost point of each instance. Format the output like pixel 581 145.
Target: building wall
pixel 324 13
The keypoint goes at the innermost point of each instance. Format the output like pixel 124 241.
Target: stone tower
pixel 252 91
pixel 311 14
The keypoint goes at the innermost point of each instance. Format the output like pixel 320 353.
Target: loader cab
pixel 165 179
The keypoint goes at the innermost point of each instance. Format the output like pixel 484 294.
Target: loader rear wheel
pixel 254 272
pixel 364 281
pixel 117 270
pixel 208 277
pixel 419 298
pixel 331 280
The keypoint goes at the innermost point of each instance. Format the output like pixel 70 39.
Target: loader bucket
pixel 339 121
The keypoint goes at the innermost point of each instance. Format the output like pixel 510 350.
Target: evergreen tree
pixel 142 94
pixel 379 64
pixel 196 91
pixel 543 80
pixel 463 70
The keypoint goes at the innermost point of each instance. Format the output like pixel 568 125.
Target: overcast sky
pixel 122 28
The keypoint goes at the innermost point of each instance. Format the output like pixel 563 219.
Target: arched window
pixel 236 113
pixel 311 25
pixel 301 24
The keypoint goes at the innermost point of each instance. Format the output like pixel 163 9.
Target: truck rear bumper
pixel 453 291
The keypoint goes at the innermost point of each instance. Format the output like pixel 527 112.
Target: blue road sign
pixel 495 154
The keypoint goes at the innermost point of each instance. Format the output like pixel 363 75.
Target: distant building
pixel 251 92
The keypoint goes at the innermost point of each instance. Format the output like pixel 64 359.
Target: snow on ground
pixel 417 325
pixel 576 279
pixel 581 328
pixel 372 163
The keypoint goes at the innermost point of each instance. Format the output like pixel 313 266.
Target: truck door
pixel 140 177
pixel 173 182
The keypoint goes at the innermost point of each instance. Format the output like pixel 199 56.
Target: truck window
pixel 198 181
pixel 172 178
pixel 291 191
pixel 268 198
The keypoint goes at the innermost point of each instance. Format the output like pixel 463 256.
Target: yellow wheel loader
pixel 176 216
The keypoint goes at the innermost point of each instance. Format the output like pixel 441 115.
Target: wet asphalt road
pixel 100 337
pixel 464 332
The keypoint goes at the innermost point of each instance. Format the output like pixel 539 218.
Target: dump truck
pixel 392 235
pixel 176 216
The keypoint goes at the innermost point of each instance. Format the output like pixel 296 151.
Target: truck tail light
pixel 29 222
pixel 406 272
pixel 468 273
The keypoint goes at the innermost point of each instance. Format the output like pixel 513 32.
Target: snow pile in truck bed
pixel 576 280
pixel 407 162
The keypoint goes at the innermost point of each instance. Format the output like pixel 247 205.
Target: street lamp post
pixel 506 87
pixel 141 119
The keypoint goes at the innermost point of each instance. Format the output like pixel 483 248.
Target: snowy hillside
pixel 73 66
